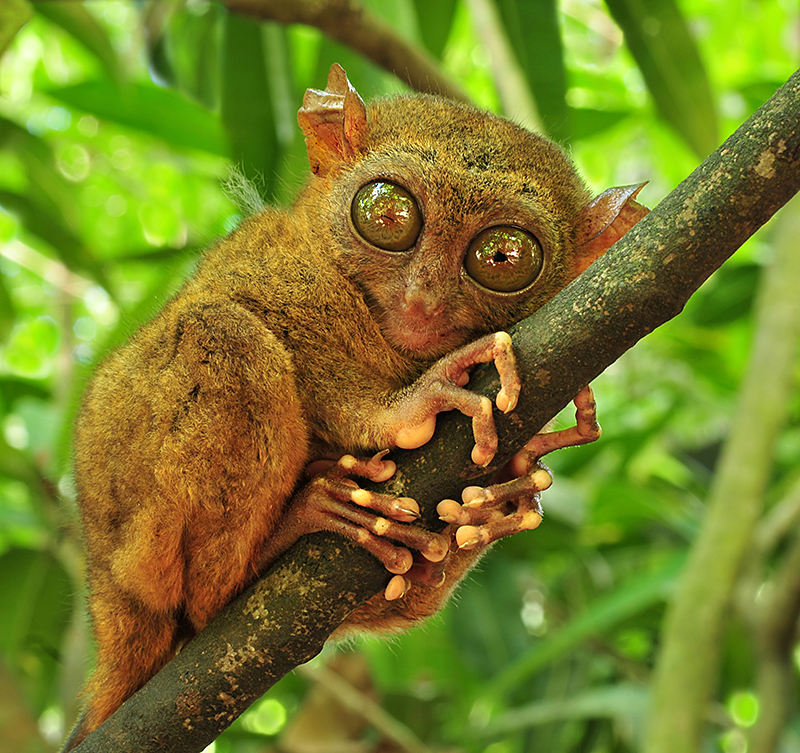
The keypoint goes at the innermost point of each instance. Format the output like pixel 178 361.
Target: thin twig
pixel 348 22
pixel 359 703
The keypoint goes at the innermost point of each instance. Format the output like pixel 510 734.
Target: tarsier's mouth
pixel 422 341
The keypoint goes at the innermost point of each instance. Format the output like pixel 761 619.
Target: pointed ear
pixel 334 122
pixel 603 221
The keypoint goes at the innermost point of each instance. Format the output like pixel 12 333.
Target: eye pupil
pixel 504 259
pixel 386 215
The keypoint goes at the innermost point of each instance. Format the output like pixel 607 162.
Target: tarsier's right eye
pixel 387 216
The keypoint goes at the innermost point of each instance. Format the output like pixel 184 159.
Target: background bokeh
pixel 118 123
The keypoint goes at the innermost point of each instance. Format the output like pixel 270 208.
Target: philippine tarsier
pixel 333 330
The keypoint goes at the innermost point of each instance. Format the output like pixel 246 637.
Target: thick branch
pixel 348 22
pixel 642 282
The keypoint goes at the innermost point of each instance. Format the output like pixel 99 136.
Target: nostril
pixel 419 302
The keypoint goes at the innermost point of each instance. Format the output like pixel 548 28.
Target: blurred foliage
pixel 118 121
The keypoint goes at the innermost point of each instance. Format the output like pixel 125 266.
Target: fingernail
pixel 396 588
pixel 470 543
pixel 479 499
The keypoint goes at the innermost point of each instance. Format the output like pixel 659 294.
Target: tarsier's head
pixel 452 221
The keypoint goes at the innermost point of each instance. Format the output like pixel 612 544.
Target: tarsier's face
pixel 454 223
pixel 420 309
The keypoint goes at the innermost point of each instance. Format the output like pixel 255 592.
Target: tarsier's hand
pixel 488 514
pixel 412 418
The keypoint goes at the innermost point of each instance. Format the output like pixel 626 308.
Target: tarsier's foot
pixel 488 514
pixel 441 388
pixel 332 501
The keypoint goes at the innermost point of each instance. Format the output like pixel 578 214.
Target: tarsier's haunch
pixel 309 342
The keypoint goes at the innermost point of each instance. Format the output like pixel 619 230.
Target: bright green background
pixel 114 141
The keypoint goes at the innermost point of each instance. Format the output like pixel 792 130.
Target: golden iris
pixel 505 259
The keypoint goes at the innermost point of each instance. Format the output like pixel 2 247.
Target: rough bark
pixel 642 282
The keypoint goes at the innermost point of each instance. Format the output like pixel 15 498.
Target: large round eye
pixel 387 216
pixel 505 259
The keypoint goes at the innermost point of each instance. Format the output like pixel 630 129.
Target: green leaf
pixel 588 122
pixel 605 612
pixel 187 53
pixel 13 388
pixel 74 19
pixel 625 701
pixel 659 39
pixel 7 311
pixel 35 599
pixel 543 61
pixel 151 109
pixel 47 187
pixel 247 112
pixel 435 21
pixel 14 14
pixel 758 92
pixel 49 227
pixel 728 296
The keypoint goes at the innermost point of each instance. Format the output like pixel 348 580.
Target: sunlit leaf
pixel 660 41
pixel 50 228
pixel 149 108
pixel 14 14
pixel 31 347
pixel 82 25
pixel 534 33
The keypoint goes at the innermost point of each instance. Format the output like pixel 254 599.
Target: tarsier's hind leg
pixel 235 451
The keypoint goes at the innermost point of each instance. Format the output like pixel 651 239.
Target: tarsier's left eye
pixel 387 216
pixel 505 259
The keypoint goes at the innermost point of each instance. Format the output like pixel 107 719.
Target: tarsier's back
pixel 222 432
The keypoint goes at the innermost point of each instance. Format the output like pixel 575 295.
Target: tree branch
pixel 348 22
pixel 775 632
pixel 646 279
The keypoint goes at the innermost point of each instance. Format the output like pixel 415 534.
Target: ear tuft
pixel 334 122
